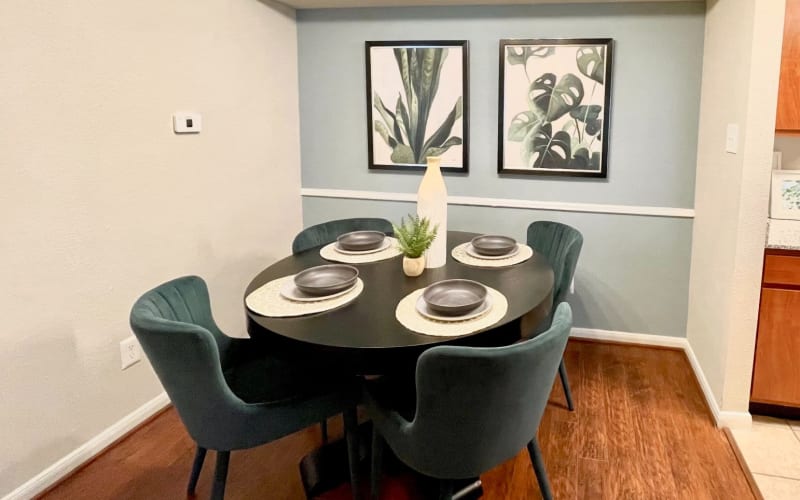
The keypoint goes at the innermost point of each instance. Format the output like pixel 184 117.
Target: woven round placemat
pixel 268 301
pixel 328 252
pixel 460 254
pixel 408 316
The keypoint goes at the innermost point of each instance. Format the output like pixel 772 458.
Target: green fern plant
pixel 414 236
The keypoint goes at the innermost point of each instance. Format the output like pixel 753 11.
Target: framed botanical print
pixel 555 97
pixel 417 99
pixel 785 199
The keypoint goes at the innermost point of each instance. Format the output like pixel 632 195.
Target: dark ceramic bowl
pixel 360 241
pixel 454 297
pixel 326 280
pixel 493 245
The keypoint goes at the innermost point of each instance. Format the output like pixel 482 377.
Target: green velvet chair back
pixel 561 245
pixel 327 232
pixel 174 325
pixel 478 407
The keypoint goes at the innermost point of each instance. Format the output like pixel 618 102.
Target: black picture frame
pixel 463 45
pixel 574 166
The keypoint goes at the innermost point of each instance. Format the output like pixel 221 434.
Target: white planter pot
pixel 413 267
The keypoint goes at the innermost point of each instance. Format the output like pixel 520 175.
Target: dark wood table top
pixel 368 324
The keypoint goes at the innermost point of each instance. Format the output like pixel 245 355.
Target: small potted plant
pixel 414 238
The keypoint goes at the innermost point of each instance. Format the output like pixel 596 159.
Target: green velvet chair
pixel 561 245
pixel 230 393
pixel 475 408
pixel 327 232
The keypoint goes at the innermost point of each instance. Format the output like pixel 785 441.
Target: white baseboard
pixel 629 338
pixel 88 450
pixel 732 419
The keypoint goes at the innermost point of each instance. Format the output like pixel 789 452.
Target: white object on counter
pixel 783 234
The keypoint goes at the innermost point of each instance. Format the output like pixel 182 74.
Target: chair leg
pixel 323 426
pixel 538 468
pixel 220 475
pixel 445 489
pixel 351 436
pixel 197 466
pixel 375 469
pixel 562 372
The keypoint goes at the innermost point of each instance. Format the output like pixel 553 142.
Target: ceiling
pixel 321 4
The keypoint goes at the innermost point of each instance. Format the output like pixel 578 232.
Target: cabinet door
pixel 788 115
pixel 776 374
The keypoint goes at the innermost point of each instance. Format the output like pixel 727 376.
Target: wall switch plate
pixel 185 122
pixel 130 352
pixel 732 138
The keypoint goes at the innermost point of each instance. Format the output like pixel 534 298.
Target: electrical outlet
pixel 130 352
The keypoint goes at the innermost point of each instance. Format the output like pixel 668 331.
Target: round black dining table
pixel 365 333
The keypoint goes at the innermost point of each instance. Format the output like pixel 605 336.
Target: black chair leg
pixel 351 436
pixel 323 426
pixel 375 469
pixel 220 475
pixel 538 468
pixel 562 372
pixel 445 489
pixel 197 466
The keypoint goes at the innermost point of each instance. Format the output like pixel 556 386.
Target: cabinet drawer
pixel 782 270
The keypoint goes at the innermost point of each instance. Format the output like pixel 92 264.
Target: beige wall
pixel 789 146
pixel 740 81
pixel 101 201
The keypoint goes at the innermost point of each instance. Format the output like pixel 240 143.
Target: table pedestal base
pixel 325 475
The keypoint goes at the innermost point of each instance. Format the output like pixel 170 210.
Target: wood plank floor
pixel 640 430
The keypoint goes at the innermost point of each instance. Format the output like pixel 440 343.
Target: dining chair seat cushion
pixel 258 376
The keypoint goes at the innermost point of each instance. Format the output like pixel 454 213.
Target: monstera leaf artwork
pixel 418 94
pixel 554 99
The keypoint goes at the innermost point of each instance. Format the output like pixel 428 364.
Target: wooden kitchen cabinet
pixel 776 371
pixel 788 113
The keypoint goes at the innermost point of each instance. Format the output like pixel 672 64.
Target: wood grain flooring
pixel 641 430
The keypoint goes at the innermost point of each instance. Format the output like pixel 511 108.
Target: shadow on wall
pixel 227 284
pixel 595 304
pixel 28 381
pixel 20 471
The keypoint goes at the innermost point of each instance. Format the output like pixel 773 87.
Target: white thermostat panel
pixel 184 122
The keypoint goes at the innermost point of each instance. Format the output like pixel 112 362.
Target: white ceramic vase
pixel 413 267
pixel 432 203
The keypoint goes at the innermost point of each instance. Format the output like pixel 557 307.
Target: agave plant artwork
pixel 555 99
pixel 424 115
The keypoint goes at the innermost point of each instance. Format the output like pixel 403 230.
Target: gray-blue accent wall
pixel 634 271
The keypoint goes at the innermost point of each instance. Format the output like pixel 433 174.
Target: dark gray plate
pixel 358 241
pixel 326 280
pixel 493 245
pixel 454 297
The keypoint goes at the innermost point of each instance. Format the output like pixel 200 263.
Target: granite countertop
pixel 783 234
